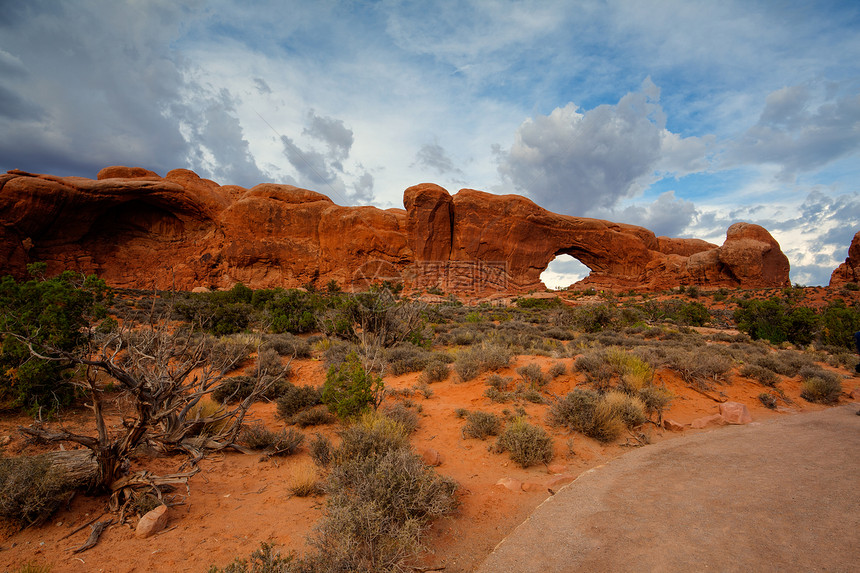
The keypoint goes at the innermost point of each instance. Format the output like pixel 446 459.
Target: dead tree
pixel 163 372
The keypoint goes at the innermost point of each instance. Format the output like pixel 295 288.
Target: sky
pixel 680 116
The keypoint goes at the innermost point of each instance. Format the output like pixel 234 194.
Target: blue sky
pixel 683 117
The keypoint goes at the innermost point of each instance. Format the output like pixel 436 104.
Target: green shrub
pixel 527 444
pixel 349 390
pixel 481 425
pixel 53 314
pixel 777 321
pixel 839 323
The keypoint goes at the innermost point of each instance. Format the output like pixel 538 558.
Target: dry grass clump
pixel 304 481
pixel 702 366
pixel 629 409
pixel 284 443
pixel 820 386
pixel 527 444
pixel 655 399
pixel 481 425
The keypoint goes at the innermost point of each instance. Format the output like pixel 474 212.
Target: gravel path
pixel 783 495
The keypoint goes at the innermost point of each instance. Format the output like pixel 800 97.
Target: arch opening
pixel 563 271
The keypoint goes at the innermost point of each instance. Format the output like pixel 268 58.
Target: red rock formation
pixel 136 229
pixel 849 271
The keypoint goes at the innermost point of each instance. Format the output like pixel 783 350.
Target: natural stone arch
pixel 563 271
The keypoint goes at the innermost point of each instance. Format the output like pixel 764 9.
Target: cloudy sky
pixel 681 116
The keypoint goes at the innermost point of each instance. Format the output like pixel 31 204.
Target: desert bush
pixel 381 498
pixel 702 366
pixel 629 409
pixel 767 400
pixel 557 369
pixel 820 386
pixel 655 399
pixel 349 390
pixel 435 371
pixel 526 443
pixel 596 367
pixel 228 353
pixel 262 560
pixel 404 416
pixel 315 416
pixel 407 357
pixel 237 388
pixel 286 344
pixel 594 318
pixel 31 490
pixel 588 412
pixel 839 323
pixel 760 373
pixel 634 373
pixel 284 443
pixel 481 425
pixel 497 395
pixel 499 382
pixel 777 321
pixel 530 395
pixel 294 399
pixel 321 450
pixel 532 375
pixel 471 362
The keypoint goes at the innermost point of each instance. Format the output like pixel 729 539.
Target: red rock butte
pixel 136 229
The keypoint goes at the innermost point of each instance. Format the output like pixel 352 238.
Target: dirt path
pixel 782 495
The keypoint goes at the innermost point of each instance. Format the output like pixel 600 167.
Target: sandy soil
pixel 236 500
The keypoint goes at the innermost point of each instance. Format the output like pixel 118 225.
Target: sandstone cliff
pixel 136 229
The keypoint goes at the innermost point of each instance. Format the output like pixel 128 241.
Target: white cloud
pixel 579 163
pixel 799 132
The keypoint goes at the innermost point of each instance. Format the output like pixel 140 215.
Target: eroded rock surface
pixel 849 271
pixel 136 229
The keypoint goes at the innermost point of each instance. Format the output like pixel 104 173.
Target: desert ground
pixel 236 501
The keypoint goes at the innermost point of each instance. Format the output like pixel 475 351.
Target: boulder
pixel 510 484
pixel 735 413
pixel 708 422
pixel 672 425
pixel 152 522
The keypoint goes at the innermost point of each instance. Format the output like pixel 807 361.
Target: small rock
pixel 708 422
pixel 735 413
pixel 5 440
pixel 855 394
pixel 431 457
pixel 556 468
pixel 199 289
pixel 672 425
pixel 511 484
pixel 531 486
pixel 559 481
pixel 151 523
